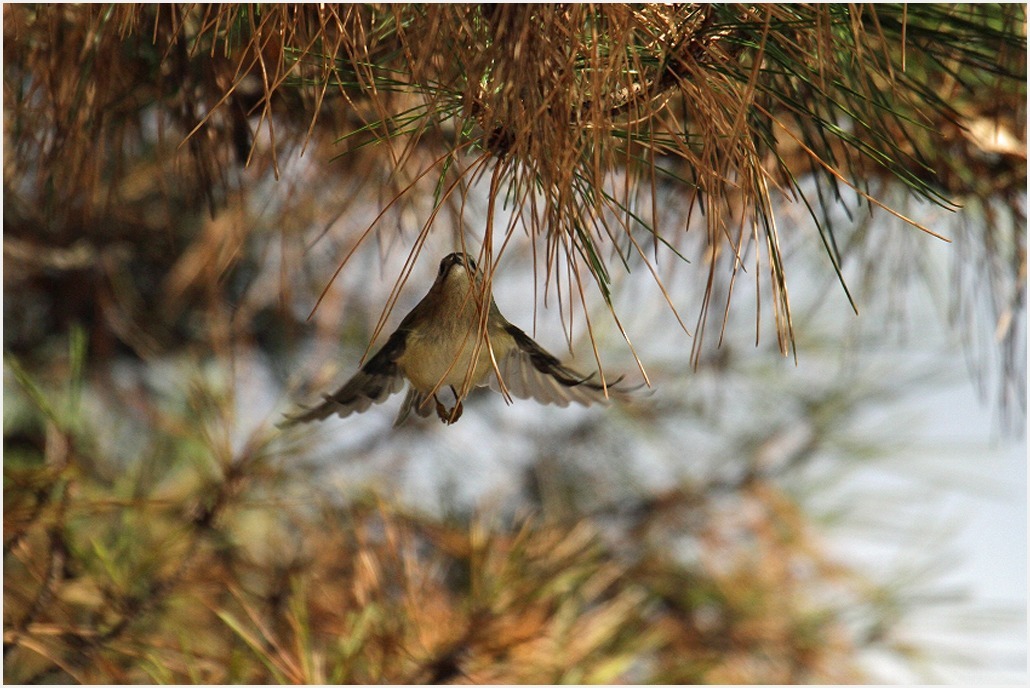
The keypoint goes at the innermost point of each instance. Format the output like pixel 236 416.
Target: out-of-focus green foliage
pixel 182 556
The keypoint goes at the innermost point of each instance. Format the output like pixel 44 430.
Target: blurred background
pixel 804 227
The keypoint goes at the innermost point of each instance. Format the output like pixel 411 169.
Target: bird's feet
pixel 453 414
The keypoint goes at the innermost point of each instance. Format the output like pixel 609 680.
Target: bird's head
pixel 459 277
pixel 456 268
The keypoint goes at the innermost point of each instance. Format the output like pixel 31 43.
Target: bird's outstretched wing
pixel 529 371
pixel 374 383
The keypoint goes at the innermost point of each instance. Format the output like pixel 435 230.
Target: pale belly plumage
pixel 431 363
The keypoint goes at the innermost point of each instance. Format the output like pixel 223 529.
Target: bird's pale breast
pixel 435 362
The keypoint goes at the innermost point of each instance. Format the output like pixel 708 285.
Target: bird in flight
pixel 438 346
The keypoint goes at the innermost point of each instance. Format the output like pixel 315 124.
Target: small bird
pixel 438 345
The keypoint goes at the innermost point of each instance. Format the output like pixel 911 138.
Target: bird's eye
pixel 470 264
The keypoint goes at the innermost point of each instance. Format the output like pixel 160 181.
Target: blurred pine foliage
pixel 175 557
